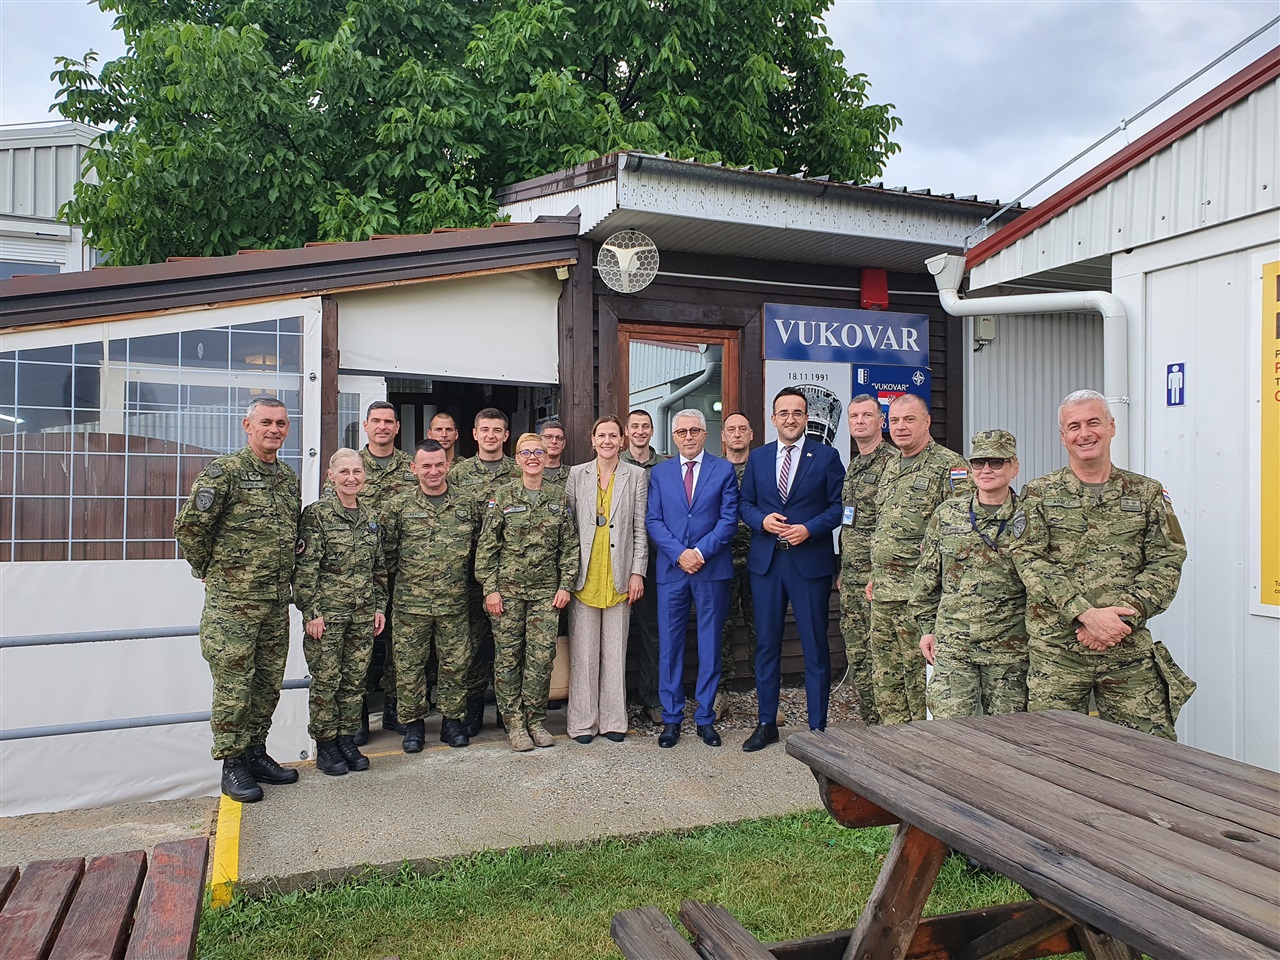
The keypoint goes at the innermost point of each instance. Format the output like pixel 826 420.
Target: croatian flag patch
pixel 1167 497
pixel 958 474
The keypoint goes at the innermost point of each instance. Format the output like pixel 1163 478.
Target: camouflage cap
pixel 993 443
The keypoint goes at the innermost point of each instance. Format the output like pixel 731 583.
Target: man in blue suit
pixel 693 513
pixel 791 502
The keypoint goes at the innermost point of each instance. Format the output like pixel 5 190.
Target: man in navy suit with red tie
pixel 692 517
pixel 791 502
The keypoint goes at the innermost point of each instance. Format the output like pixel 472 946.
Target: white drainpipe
pixel 948 272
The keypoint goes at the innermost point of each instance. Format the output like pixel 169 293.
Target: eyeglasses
pixel 688 432
pixel 791 415
pixel 995 463
pixel 531 453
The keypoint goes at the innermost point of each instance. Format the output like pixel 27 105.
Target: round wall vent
pixel 628 261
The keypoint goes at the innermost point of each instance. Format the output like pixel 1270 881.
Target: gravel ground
pixel 740 708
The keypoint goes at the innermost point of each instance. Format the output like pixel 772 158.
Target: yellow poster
pixel 1270 515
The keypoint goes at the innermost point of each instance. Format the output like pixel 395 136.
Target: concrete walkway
pixel 441 803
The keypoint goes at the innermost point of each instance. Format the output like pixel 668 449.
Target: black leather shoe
pixel 362 735
pixel 264 769
pixel 237 783
pixel 614 737
pixel 764 734
pixel 708 734
pixel 474 719
pixel 415 736
pixel 329 759
pixel 390 718
pixel 451 732
pixel 670 734
pixel 351 753
pixel 583 738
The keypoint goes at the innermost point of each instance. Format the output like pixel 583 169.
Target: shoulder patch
pixel 1019 525
pixel 214 470
pixel 300 547
pixel 1168 497
pixel 204 498
pixel 958 475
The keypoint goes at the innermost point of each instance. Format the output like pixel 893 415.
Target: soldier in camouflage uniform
pixel 239 531
pixel 444 430
pixel 340 588
pixel 923 475
pixel 642 643
pixel 429 537
pixel 858 523
pixel 1115 559
pixel 478 478
pixel 736 436
pixel 557 472
pixel 388 473
pixel 526 562
pixel 968 597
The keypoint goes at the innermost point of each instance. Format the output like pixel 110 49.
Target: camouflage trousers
pixel 642 641
pixel 897 664
pixel 418 635
pixel 480 670
pixel 1128 689
pixel 960 688
pixel 524 643
pixel 855 627
pixel 245 643
pixel 338 662
pixel 742 610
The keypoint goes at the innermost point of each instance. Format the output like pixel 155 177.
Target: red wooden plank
pixel 8 880
pixel 169 909
pixel 892 914
pixel 33 913
pixel 850 810
pixel 97 925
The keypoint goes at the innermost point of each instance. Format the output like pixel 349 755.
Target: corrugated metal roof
pixel 275 274
pixel 1215 160
pixel 696 207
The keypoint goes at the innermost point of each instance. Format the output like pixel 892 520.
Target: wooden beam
pixel 35 910
pixel 98 923
pixel 171 901
pixel 718 935
pixel 889 920
pixel 1011 939
pixel 329 439
pixel 1096 945
pixel 645 933
pixel 937 938
pixel 848 809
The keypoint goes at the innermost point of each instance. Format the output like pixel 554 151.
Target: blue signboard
pixel 833 335
pixel 888 383
pixel 1175 385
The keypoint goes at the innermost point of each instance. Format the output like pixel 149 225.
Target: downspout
pixel 948 272
pixel 664 407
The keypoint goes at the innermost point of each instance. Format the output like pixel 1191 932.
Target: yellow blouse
pixel 598 590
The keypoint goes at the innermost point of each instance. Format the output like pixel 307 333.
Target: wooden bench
pixel 118 907
pixel 1126 841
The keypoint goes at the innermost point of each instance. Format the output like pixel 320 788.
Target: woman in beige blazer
pixel 608 499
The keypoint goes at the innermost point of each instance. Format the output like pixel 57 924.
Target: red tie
pixel 688 480
pixel 785 474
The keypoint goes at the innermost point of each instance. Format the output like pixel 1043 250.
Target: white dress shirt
pixel 797 447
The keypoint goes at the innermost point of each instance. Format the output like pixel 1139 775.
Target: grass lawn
pixel 782 877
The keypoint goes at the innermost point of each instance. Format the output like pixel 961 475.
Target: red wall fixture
pixel 875 289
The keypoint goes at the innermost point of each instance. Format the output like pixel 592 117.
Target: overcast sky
pixel 992 95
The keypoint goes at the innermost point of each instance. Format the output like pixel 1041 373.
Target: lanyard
pixel 973 522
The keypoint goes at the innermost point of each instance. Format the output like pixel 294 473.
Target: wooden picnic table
pixel 117 906
pixel 1128 842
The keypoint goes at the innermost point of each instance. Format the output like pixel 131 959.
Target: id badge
pixel 849 512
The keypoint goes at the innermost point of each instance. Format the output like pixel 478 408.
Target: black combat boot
pixel 351 753
pixel 415 736
pixel 474 718
pixel 264 769
pixel 329 759
pixel 237 783
pixel 362 735
pixel 390 720
pixel 451 732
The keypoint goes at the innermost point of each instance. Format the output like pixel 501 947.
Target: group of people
pixel 464 570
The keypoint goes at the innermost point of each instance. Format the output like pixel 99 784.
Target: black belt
pixel 783 544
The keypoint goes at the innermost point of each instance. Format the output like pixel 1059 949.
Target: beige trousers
pixel 598 668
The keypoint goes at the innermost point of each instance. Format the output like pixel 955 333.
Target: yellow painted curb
pixel 226 852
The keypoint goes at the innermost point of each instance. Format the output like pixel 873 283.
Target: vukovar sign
pixel 832 335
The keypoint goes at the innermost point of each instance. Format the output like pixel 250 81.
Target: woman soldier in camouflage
pixel 340 587
pixel 526 561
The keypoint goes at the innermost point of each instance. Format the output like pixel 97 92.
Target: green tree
pixel 271 123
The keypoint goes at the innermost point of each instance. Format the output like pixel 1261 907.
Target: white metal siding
pixel 595 202
pixel 1226 169
pixel 1203 314
pixel 36 180
pixel 1016 382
